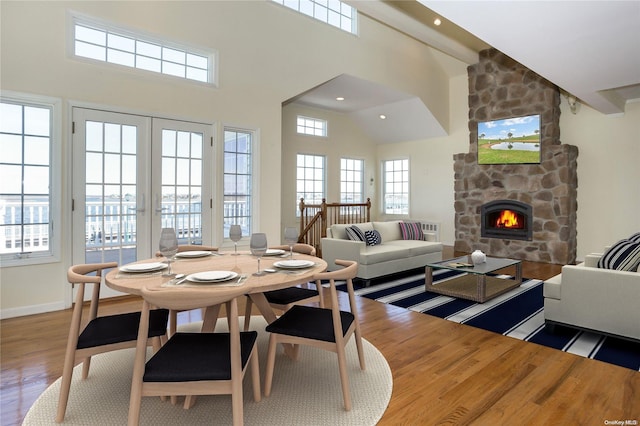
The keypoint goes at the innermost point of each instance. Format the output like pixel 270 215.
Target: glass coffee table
pixel 475 284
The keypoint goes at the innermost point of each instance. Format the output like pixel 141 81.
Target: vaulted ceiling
pixel 590 49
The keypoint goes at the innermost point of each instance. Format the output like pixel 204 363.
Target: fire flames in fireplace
pixel 508 219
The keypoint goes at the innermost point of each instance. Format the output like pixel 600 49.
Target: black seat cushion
pixel 310 322
pixel 121 328
pixel 197 356
pixel 289 295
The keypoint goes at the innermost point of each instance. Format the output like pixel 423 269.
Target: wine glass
pixel 235 234
pixel 291 237
pixel 168 246
pixel 258 244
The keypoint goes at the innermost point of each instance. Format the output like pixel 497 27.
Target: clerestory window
pixel 100 41
pixel 332 12
pixel 311 126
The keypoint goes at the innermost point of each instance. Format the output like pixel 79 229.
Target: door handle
pixel 159 208
pixel 139 209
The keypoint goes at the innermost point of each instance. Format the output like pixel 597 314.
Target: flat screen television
pixel 514 140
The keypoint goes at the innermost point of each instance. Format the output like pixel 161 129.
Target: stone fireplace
pixel 542 196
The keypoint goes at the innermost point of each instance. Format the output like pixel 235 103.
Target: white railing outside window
pixel 396 186
pixel 310 178
pixel 238 188
pixel 29 179
pixel 351 180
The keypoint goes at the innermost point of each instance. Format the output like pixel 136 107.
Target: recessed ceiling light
pixel 437 21
pixel 382 116
pixel 339 98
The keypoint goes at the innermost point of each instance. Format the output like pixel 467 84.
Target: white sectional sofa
pixel 587 297
pixel 394 254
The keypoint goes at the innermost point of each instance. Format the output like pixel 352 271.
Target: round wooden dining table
pixel 243 266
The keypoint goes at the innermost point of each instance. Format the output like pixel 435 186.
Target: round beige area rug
pixel 304 392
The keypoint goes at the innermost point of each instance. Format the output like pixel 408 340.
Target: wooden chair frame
pixel 77 274
pixel 319 297
pixel 187 299
pixel 348 273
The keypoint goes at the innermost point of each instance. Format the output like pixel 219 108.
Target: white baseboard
pixel 31 310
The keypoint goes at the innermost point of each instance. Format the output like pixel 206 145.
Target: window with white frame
pixel 29 179
pixel 396 186
pixel 311 126
pixel 310 174
pixel 104 42
pixel 332 12
pixel 351 180
pixel 238 188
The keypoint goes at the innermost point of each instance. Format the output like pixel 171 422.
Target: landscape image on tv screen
pixel 513 140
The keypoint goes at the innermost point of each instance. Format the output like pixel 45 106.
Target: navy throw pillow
pixel 372 238
pixel 622 256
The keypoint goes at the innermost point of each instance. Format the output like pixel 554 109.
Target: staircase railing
pixel 316 218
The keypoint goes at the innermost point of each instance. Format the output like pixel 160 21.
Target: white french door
pixel 133 175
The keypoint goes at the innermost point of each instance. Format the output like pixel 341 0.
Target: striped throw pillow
pixel 372 238
pixel 635 237
pixel 411 231
pixel 622 256
pixel 354 233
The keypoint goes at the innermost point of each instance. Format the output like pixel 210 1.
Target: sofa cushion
pixel 339 230
pixel 388 230
pixel 372 238
pixel 415 247
pixel 382 253
pixel 354 233
pixel 411 231
pixel 622 256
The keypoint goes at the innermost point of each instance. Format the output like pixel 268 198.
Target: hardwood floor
pixel 444 373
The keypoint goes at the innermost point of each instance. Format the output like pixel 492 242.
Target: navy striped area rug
pixel 517 314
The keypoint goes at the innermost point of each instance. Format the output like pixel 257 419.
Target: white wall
pixel 267 54
pixel 608 174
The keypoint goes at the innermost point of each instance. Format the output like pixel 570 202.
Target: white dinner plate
pixel 211 276
pixel 193 253
pixel 144 267
pixel 294 264
pixel 274 252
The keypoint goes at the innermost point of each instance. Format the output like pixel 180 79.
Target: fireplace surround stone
pixel 499 87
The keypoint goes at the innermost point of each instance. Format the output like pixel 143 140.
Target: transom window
pixel 107 43
pixel 396 186
pixel 351 180
pixel 238 150
pixel 28 184
pixel 310 179
pixel 332 12
pixel 311 126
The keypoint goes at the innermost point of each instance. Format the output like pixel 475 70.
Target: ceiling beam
pixel 396 19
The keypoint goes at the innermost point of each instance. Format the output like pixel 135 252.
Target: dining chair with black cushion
pixel 100 333
pixel 325 328
pixel 283 299
pixel 173 315
pixel 202 363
